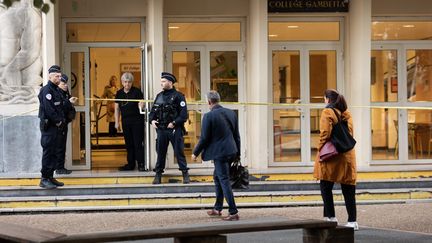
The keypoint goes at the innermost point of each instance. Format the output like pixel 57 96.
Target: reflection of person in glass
pixel 110 92
pixel 132 122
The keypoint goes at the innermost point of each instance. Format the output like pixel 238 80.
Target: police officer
pixel 132 122
pixel 69 112
pixel 167 116
pixel 52 121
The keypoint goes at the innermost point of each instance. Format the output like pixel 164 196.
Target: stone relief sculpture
pixel 20 53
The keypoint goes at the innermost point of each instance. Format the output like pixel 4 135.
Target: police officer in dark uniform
pixel 69 112
pixel 132 122
pixel 52 121
pixel 167 116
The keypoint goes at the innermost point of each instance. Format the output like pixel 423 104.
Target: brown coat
pixel 342 167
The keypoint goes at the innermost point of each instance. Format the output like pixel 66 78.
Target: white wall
pixel 102 8
pixel 401 7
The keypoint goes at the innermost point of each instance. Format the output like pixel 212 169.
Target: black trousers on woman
pixel 348 192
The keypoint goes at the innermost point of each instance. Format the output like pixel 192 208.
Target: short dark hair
pixel 213 96
pixel 336 100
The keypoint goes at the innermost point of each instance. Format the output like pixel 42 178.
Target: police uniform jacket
pixel 169 106
pixel 51 104
pixel 220 135
pixel 69 109
pixel 342 167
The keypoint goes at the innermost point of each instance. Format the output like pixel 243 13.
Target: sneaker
pixel 352 225
pixel 63 171
pixel 232 217
pixel 214 212
pixel 125 168
pixel 331 219
pixel 47 184
pixel 56 182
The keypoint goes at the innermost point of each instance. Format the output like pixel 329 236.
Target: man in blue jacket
pixel 220 142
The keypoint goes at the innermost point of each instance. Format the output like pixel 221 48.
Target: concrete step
pixel 208 187
pixel 201 200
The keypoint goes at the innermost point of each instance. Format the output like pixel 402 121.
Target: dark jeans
pixel 223 185
pixel 134 138
pixel 164 137
pixel 61 148
pixel 49 145
pixel 348 192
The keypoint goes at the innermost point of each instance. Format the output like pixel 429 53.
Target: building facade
pixel 271 66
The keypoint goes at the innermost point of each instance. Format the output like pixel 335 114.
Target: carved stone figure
pixel 20 53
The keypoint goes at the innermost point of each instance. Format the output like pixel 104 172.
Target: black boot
pixel 46 183
pixel 157 179
pixel 56 182
pixel 186 178
pixel 141 167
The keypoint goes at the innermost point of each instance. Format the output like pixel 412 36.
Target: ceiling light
pixel 173 27
pixel 273 35
pixel 408 26
pixel 292 26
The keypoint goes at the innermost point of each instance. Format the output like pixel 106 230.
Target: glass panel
pixel 103 32
pixel 186 67
pixel 315 116
pixel 286 76
pixel 204 31
pixel 78 76
pixel 193 133
pixel 286 134
pixel 403 30
pixel 224 74
pixel 322 73
pixel 419 134
pixel 307 31
pixel 384 79
pixel 78 139
pixel 384 131
pixel 419 75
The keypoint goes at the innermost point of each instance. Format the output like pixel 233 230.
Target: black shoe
pixel 157 179
pixel 186 179
pixel 63 171
pixel 141 167
pixel 56 182
pixel 125 168
pixel 46 183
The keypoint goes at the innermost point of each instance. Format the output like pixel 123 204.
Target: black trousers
pixel 134 139
pixel 348 192
pixel 49 147
pixel 175 136
pixel 60 151
pixel 112 131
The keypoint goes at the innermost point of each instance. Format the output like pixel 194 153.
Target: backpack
pixel 340 136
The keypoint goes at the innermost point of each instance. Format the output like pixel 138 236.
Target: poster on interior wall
pixel 296 6
pixel 135 69
pixel 394 84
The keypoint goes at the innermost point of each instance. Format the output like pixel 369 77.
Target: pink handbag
pixel 327 151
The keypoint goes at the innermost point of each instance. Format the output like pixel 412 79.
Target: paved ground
pixel 378 223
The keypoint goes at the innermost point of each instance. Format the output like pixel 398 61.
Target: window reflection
pixel 322 73
pixel 384 79
pixel 315 116
pixel 78 139
pixel 419 75
pixel 224 74
pixel 419 134
pixel 77 76
pixel 286 133
pixel 286 76
pixel 186 67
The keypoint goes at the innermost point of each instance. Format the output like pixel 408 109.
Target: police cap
pixel 64 78
pixel 54 69
pixel 169 77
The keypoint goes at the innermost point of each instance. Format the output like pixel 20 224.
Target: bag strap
pixel 337 114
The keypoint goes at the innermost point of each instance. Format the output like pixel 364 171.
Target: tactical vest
pixel 165 110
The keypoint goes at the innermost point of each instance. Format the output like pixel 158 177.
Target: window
pixel 304 31
pixel 401 30
pixel 204 32
pixel 103 32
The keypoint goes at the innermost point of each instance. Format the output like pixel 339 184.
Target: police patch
pixel 182 104
pixel 48 96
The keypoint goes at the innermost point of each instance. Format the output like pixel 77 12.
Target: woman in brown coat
pixel 341 168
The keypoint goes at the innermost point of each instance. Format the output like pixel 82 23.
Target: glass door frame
pixel 85 108
pixel 304 105
pixel 401 47
pixel 202 107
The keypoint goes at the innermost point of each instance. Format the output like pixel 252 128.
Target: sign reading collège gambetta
pixel 295 6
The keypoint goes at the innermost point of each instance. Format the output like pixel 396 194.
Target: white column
pixel 258 87
pixel 155 40
pixel 50 39
pixel 358 82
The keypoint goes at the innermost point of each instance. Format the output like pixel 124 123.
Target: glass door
pixel 300 74
pixel 76 66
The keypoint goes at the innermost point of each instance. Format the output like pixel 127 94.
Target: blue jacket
pixel 218 138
